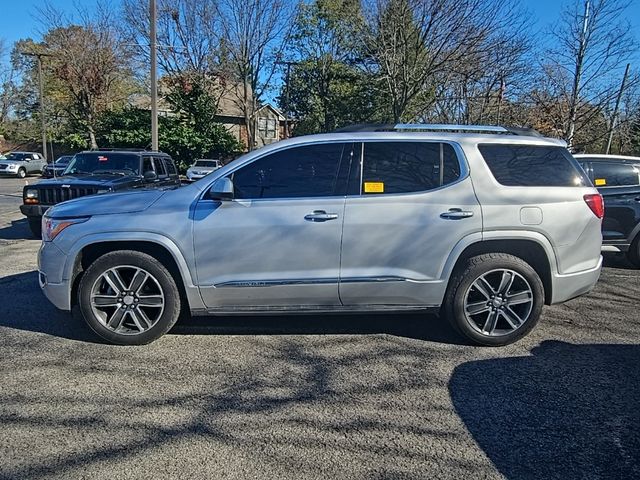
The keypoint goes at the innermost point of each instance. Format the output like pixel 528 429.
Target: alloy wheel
pixel 127 300
pixel 498 302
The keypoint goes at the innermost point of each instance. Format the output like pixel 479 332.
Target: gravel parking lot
pixel 366 397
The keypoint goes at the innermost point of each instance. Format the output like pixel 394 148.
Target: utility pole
pixel 616 108
pixel 154 76
pixel 286 96
pixel 577 76
pixel 43 123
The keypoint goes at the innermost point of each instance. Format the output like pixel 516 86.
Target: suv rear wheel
pixel 129 298
pixel 633 254
pixel 494 299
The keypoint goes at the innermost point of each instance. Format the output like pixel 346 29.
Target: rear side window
pixel 533 166
pixel 615 174
pixel 405 167
pixel 171 168
pixel 159 164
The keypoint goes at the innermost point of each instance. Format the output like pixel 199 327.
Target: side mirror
pixel 150 176
pixel 222 189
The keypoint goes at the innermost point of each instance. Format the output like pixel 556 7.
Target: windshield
pixel 205 163
pixel 63 160
pixel 16 156
pixel 104 162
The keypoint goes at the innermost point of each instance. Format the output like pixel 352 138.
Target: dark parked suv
pixel 618 180
pixel 95 172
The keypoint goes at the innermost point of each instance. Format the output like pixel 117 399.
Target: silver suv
pixel 482 224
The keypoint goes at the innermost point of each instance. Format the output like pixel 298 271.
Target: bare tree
pixel 593 41
pixel 7 84
pixel 413 45
pixel 86 65
pixel 253 36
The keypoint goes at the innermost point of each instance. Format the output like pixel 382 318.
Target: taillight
pixel 595 203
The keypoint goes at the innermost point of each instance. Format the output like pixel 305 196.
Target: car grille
pixel 3 166
pixel 51 196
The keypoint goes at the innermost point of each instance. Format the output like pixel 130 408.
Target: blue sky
pixel 17 15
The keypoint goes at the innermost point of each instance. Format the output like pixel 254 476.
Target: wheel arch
pixel 165 251
pixel 533 251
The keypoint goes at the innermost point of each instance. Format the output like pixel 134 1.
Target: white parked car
pixel 202 167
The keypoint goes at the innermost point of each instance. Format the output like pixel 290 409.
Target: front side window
pixel 533 166
pixel 405 167
pixel 611 174
pixel 305 171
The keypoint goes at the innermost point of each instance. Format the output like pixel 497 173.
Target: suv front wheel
pixel 128 298
pixel 494 299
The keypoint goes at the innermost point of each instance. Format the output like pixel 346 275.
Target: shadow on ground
pixel 18 230
pixel 566 411
pixel 31 311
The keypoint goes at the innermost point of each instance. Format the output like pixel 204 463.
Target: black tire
pixel 22 173
pixel 35 224
pixel 462 285
pixel 126 259
pixel 633 254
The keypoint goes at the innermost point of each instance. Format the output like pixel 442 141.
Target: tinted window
pixel 307 171
pixel 533 166
pixel 160 171
pixel 615 174
pixel 205 163
pixel 171 168
pixel 402 167
pixel 147 165
pixel 100 162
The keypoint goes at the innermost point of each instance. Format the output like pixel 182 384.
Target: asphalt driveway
pixel 354 397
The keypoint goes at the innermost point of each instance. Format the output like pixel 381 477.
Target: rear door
pixel 172 171
pixel 413 202
pixel 161 171
pixel 619 184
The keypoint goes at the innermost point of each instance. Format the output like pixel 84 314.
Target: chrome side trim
pixel 315 281
pixel 315 309
pixel 276 283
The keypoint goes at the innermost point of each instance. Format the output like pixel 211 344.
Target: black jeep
pixel 95 172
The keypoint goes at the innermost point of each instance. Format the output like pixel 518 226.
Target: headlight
pixel 52 227
pixel 102 190
pixel 31 196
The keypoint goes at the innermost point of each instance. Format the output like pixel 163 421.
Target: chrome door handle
pixel 456 214
pixel 320 216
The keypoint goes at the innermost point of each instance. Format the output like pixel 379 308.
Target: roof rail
pixel 367 127
pixel 112 149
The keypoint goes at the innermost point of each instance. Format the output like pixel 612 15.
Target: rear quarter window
pixel 533 166
pixel 612 174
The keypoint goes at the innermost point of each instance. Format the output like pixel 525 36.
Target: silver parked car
pixel 202 168
pixel 483 224
pixel 21 164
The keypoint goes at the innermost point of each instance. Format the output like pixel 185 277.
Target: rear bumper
pixel 34 210
pixel 566 287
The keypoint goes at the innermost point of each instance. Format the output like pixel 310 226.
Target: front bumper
pixel 9 172
pixel 51 262
pixel 34 210
pixel 566 287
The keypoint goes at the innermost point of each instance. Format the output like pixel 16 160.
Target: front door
pixel 414 203
pixel 277 243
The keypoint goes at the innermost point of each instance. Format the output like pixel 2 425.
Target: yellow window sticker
pixel 600 182
pixel 373 187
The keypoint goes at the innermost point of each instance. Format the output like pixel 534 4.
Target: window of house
pixel 305 171
pixel 404 167
pixel 267 127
